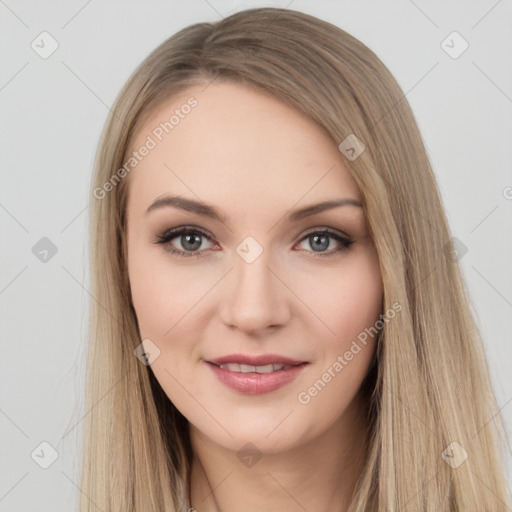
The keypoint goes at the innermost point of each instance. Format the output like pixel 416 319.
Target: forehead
pixel 230 143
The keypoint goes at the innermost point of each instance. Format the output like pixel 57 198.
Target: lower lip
pixel 256 383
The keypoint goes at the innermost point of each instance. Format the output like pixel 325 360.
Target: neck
pixel 320 475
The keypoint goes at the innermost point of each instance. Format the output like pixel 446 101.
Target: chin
pixel 271 431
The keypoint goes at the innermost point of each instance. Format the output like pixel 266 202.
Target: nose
pixel 256 298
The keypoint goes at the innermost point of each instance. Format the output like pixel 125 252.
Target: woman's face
pixel 256 304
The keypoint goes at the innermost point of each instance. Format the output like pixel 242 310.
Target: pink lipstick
pixel 255 375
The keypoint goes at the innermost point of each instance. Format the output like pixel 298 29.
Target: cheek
pixel 346 355
pixel 165 296
pixel 359 302
pixel 349 303
pixel 345 300
pixel 169 301
pixel 151 296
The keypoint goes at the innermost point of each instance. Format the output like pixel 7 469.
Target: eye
pixel 320 241
pixel 190 239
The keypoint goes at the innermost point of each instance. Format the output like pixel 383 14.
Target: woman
pixel 280 323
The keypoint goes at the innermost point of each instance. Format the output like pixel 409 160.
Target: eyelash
pixel 170 234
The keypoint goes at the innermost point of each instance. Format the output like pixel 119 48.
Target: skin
pixel 254 158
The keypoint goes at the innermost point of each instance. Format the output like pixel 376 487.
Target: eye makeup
pixel 194 234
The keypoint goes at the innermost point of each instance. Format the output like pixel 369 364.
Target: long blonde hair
pixel 429 386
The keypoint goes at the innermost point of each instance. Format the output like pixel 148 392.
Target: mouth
pixel 254 375
pixel 246 368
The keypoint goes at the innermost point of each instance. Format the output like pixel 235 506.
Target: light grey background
pixel 53 110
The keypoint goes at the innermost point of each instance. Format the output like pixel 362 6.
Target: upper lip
pixel 257 360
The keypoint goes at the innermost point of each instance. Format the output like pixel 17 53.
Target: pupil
pixel 321 245
pixel 188 240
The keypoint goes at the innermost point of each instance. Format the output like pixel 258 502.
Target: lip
pixel 257 360
pixel 253 383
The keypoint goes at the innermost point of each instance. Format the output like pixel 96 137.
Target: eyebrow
pixel 206 210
